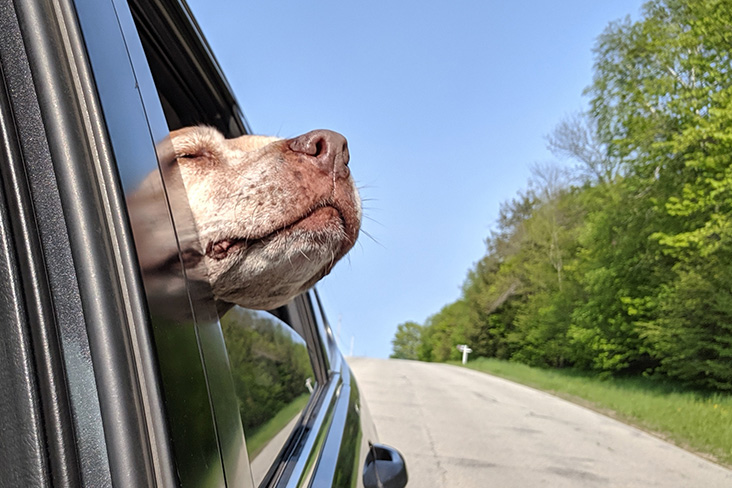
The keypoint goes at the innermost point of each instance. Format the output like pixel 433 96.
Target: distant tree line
pixel 622 264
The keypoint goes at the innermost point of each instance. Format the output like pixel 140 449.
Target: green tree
pixel 407 340
pixel 619 270
pixel 693 335
pixel 662 95
pixel 495 289
pixel 494 297
pixel 446 329
pixel 625 265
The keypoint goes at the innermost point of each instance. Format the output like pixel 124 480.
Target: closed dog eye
pixel 196 155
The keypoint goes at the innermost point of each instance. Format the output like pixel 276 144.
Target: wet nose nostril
pixel 320 147
pixel 346 155
pixel 328 149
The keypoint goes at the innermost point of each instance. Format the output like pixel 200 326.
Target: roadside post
pixel 463 348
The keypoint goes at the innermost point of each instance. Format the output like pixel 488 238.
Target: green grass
pixel 700 422
pixel 261 436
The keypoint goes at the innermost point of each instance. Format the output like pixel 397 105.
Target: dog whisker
pixel 364 186
pixel 373 239
pixel 371 219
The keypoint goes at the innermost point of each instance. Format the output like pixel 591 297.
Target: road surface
pixel 461 428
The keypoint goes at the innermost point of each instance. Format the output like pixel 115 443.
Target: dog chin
pixel 268 274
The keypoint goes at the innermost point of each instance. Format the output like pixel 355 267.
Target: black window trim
pixel 32 352
pixel 170 23
pixel 93 292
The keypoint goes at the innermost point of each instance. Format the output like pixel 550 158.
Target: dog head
pixel 272 215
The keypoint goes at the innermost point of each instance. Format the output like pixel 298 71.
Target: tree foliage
pixel 624 263
pixel 406 341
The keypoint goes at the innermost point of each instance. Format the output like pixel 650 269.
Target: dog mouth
pixel 317 220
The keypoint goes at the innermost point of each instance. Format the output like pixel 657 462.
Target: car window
pixel 273 378
pixel 270 355
pixel 190 86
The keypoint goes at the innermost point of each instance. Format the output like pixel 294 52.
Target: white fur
pixel 252 189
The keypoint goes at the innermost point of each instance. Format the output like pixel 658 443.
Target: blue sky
pixel 445 105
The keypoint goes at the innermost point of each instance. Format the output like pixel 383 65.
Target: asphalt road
pixel 462 428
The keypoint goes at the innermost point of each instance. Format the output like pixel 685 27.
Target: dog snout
pixel 327 149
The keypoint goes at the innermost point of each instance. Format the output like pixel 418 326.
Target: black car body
pixel 114 372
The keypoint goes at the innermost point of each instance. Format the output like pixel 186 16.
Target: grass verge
pixel 697 421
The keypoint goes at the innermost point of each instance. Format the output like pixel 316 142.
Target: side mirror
pixel 385 468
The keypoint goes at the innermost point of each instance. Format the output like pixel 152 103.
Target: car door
pixel 117 367
pixel 325 435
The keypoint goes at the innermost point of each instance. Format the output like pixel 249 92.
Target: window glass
pixel 270 362
pixel 273 378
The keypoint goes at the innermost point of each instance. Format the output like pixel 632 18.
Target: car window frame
pixel 140 111
pixel 319 408
pixel 90 342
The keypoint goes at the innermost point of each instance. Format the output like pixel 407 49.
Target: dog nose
pixel 328 149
